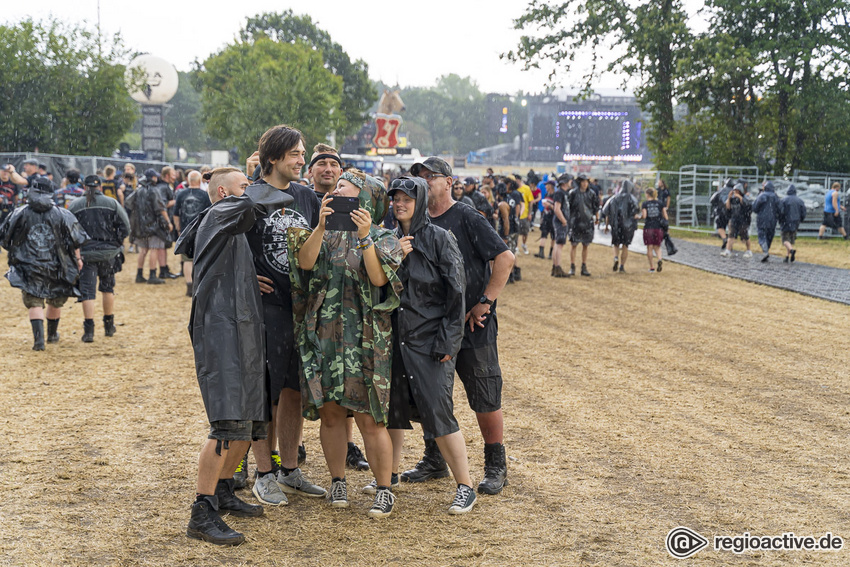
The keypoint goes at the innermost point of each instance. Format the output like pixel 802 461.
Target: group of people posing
pixel 305 305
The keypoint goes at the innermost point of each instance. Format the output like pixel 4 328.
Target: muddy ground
pixel 634 403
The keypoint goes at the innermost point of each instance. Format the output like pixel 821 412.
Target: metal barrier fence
pixel 57 164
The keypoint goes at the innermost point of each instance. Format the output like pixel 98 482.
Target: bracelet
pixel 364 243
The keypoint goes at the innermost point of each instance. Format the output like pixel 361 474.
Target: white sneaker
pixel 525 249
pixel 748 254
pixel 724 253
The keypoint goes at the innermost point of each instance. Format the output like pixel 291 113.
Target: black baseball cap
pixel 151 172
pixel 581 176
pixel 91 181
pixel 469 181
pixel 434 164
pixel 565 178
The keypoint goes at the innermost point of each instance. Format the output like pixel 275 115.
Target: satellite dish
pixel 151 80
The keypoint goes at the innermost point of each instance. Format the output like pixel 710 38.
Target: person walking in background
pixel 766 206
pixel 44 242
pixel 621 212
pixel 583 204
pixel 652 212
pixel 792 212
pixel 740 210
pixel 832 212
pixel 107 226
pixel 149 226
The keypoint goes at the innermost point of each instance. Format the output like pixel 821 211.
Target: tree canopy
pixel 63 89
pixel 253 85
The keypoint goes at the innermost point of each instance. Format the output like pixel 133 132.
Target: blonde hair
pixel 651 194
pixel 109 170
pixel 215 178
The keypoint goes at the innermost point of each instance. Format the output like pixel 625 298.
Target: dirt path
pixel 634 403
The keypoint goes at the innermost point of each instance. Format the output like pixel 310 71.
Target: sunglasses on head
pixel 403 183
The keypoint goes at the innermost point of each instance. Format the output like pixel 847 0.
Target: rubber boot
pixel 53 330
pixel 152 279
pixel 88 331
pixel 206 524
pixel 230 503
pixel 109 325
pixel 37 333
pixel 140 276
pixel 432 465
pixel 495 469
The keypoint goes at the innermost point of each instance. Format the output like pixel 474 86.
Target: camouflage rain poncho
pixel 342 321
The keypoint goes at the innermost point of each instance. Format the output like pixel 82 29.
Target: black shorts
pixel 547 229
pixel 721 220
pixel 739 230
pixel 581 236
pixel 92 271
pixel 560 233
pixel 622 237
pixel 789 236
pixel 422 390
pixel 283 363
pixel 831 220
pixel 229 430
pixel 478 369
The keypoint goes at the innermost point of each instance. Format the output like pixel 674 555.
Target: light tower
pixel 152 82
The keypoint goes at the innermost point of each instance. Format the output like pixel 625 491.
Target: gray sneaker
pixel 296 483
pixel 339 494
pixel 267 491
pixel 372 487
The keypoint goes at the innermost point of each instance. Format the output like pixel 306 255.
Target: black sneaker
pixel 383 505
pixel 206 524
pixel 793 255
pixel 153 280
pixel 658 267
pixel 766 258
pixel 339 493
pixel 354 459
pixel 622 269
pixel 240 476
pixel 230 503
pixel 616 264
pixel 464 500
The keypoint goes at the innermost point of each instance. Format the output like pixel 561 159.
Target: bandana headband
pixel 325 156
pixel 351 178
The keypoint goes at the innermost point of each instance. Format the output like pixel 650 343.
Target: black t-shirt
pixel 267 240
pixel 479 243
pixel 560 196
pixel 653 214
pixel 189 204
pixel 663 195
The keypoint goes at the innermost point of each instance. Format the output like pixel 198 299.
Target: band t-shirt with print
pixel 267 239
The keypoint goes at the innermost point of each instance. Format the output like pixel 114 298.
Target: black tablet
pixel 340 219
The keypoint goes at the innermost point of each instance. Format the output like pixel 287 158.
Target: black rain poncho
pixel 792 211
pixel 621 210
pixel 226 321
pixel 145 206
pixel 766 207
pixel 41 239
pixel 432 311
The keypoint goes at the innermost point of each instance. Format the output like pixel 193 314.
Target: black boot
pixel 517 274
pixel 140 276
pixel 495 469
pixel 354 459
pixel 109 325
pixel 152 279
pixel 189 289
pixel 230 503
pixel 53 330
pixel 88 331
pixel 584 271
pixel 165 273
pixel 37 333
pixel 206 524
pixel 432 465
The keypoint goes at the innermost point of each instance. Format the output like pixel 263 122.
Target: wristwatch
pixel 485 299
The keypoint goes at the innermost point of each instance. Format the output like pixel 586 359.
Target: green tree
pixel 63 89
pixel 358 93
pixel 650 36
pixel 252 85
pixel 184 126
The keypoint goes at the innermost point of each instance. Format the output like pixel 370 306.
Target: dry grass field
pixel 634 403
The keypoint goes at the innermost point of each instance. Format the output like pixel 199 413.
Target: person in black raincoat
pixel 766 206
pixel 44 242
pixel 792 212
pixel 622 211
pixel 721 214
pixel 150 226
pixel 226 328
pixel 428 331
pixel 584 203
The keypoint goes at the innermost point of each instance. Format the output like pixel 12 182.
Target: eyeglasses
pixel 403 183
pixel 427 175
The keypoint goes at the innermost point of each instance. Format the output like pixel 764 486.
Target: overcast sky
pixel 409 43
